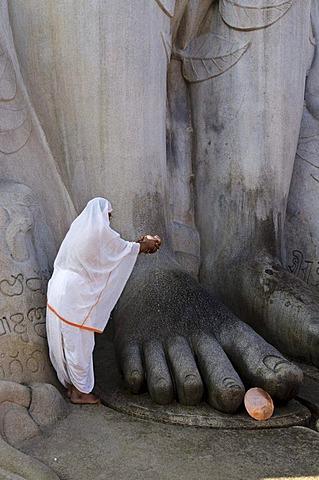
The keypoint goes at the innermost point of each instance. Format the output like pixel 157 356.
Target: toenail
pixel 275 363
pixel 136 376
pixel 191 378
pixel 161 383
pixel 231 384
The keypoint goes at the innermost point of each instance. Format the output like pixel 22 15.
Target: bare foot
pixel 80 398
pixel 68 391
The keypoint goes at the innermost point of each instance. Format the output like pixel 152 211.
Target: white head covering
pixel 91 269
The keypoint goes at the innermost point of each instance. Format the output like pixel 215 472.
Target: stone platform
pixel 98 443
pixel 110 387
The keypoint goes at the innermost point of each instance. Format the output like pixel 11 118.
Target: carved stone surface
pixel 47 406
pixel 25 243
pixel 111 388
pixel 15 393
pixel 23 412
pixel 309 393
pixel 31 197
pixel 252 15
pixel 16 465
pixel 24 154
pixel 212 178
pixel 16 424
pixel 302 215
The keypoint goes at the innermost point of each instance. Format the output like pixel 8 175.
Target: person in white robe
pixel 90 271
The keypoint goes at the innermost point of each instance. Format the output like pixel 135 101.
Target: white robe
pixel 71 353
pixel 90 272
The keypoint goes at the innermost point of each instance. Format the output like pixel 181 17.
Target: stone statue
pixel 24 275
pixel 30 231
pixel 302 226
pixel 230 111
pixel 30 224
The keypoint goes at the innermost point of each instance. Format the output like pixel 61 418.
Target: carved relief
pixel 24 275
pixel 15 119
pixel 302 213
pixel 168 6
pixel 167 45
pixel 253 14
pixel 8 84
pixel 308 146
pixel 208 56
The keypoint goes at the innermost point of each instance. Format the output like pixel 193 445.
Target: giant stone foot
pixel 173 336
pixel 277 304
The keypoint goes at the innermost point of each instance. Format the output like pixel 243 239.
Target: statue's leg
pixel 24 153
pixel 105 121
pixel 247 122
pixel 302 225
pixel 97 78
pixel 32 196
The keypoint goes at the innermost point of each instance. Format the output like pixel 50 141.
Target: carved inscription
pixel 16 285
pixel 36 316
pixel 25 361
pixel 4 326
pixel 25 321
pixel 307 270
pixel 20 324
pixel 13 286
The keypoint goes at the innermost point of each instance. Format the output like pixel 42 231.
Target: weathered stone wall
pixel 35 212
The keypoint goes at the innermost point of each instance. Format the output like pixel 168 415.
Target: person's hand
pixel 149 243
pixel 154 243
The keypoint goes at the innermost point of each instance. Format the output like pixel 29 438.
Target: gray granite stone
pixel 181 113
pixel 16 425
pixel 15 393
pixel 196 78
pixel 15 465
pixel 309 395
pixel 47 405
pixel 94 442
pixel 115 394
